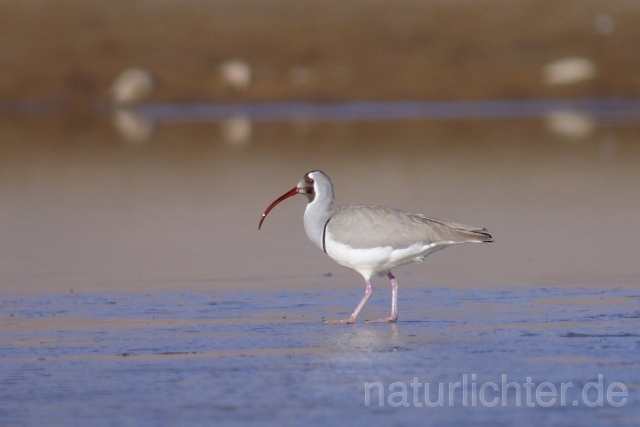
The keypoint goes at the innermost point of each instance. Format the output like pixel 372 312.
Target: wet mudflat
pixel 263 357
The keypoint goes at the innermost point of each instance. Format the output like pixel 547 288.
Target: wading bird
pixel 373 239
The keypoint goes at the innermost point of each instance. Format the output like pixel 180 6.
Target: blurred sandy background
pixel 319 50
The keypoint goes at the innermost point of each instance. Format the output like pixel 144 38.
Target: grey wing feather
pixel 377 226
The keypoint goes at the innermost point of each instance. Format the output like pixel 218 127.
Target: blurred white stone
pixel 571 124
pixel 237 130
pixel 605 24
pixel 133 85
pixel 569 71
pixel 236 74
pixel 134 127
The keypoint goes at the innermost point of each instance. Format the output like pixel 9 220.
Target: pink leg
pixel 352 319
pixel 394 302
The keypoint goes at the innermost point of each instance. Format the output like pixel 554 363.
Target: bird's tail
pixel 483 235
pixel 465 233
pixel 473 234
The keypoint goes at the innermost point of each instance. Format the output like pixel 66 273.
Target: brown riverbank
pixel 318 51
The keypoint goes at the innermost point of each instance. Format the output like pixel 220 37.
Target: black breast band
pixel 324 233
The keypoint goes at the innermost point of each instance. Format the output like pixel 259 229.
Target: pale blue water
pixel 241 358
pixel 349 111
pixel 359 110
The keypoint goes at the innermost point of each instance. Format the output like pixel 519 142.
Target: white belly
pixel 372 260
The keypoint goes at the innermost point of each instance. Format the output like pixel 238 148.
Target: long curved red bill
pixel 286 195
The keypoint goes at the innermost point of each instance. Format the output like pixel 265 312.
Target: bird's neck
pixel 316 216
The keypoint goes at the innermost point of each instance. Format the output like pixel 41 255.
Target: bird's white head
pixel 316 185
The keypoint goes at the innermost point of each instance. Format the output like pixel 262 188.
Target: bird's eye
pixel 309 180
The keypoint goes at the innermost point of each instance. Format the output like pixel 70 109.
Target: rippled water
pixel 263 356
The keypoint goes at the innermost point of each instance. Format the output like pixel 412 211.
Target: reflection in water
pixel 379 339
pixel 130 88
pixel 135 127
pixel 237 131
pixel 571 124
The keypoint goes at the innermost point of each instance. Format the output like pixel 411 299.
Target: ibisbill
pixel 372 239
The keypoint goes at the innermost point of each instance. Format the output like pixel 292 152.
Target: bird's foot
pixel 390 319
pixel 348 321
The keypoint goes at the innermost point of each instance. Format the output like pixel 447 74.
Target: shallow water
pixel 244 357
pixel 137 290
